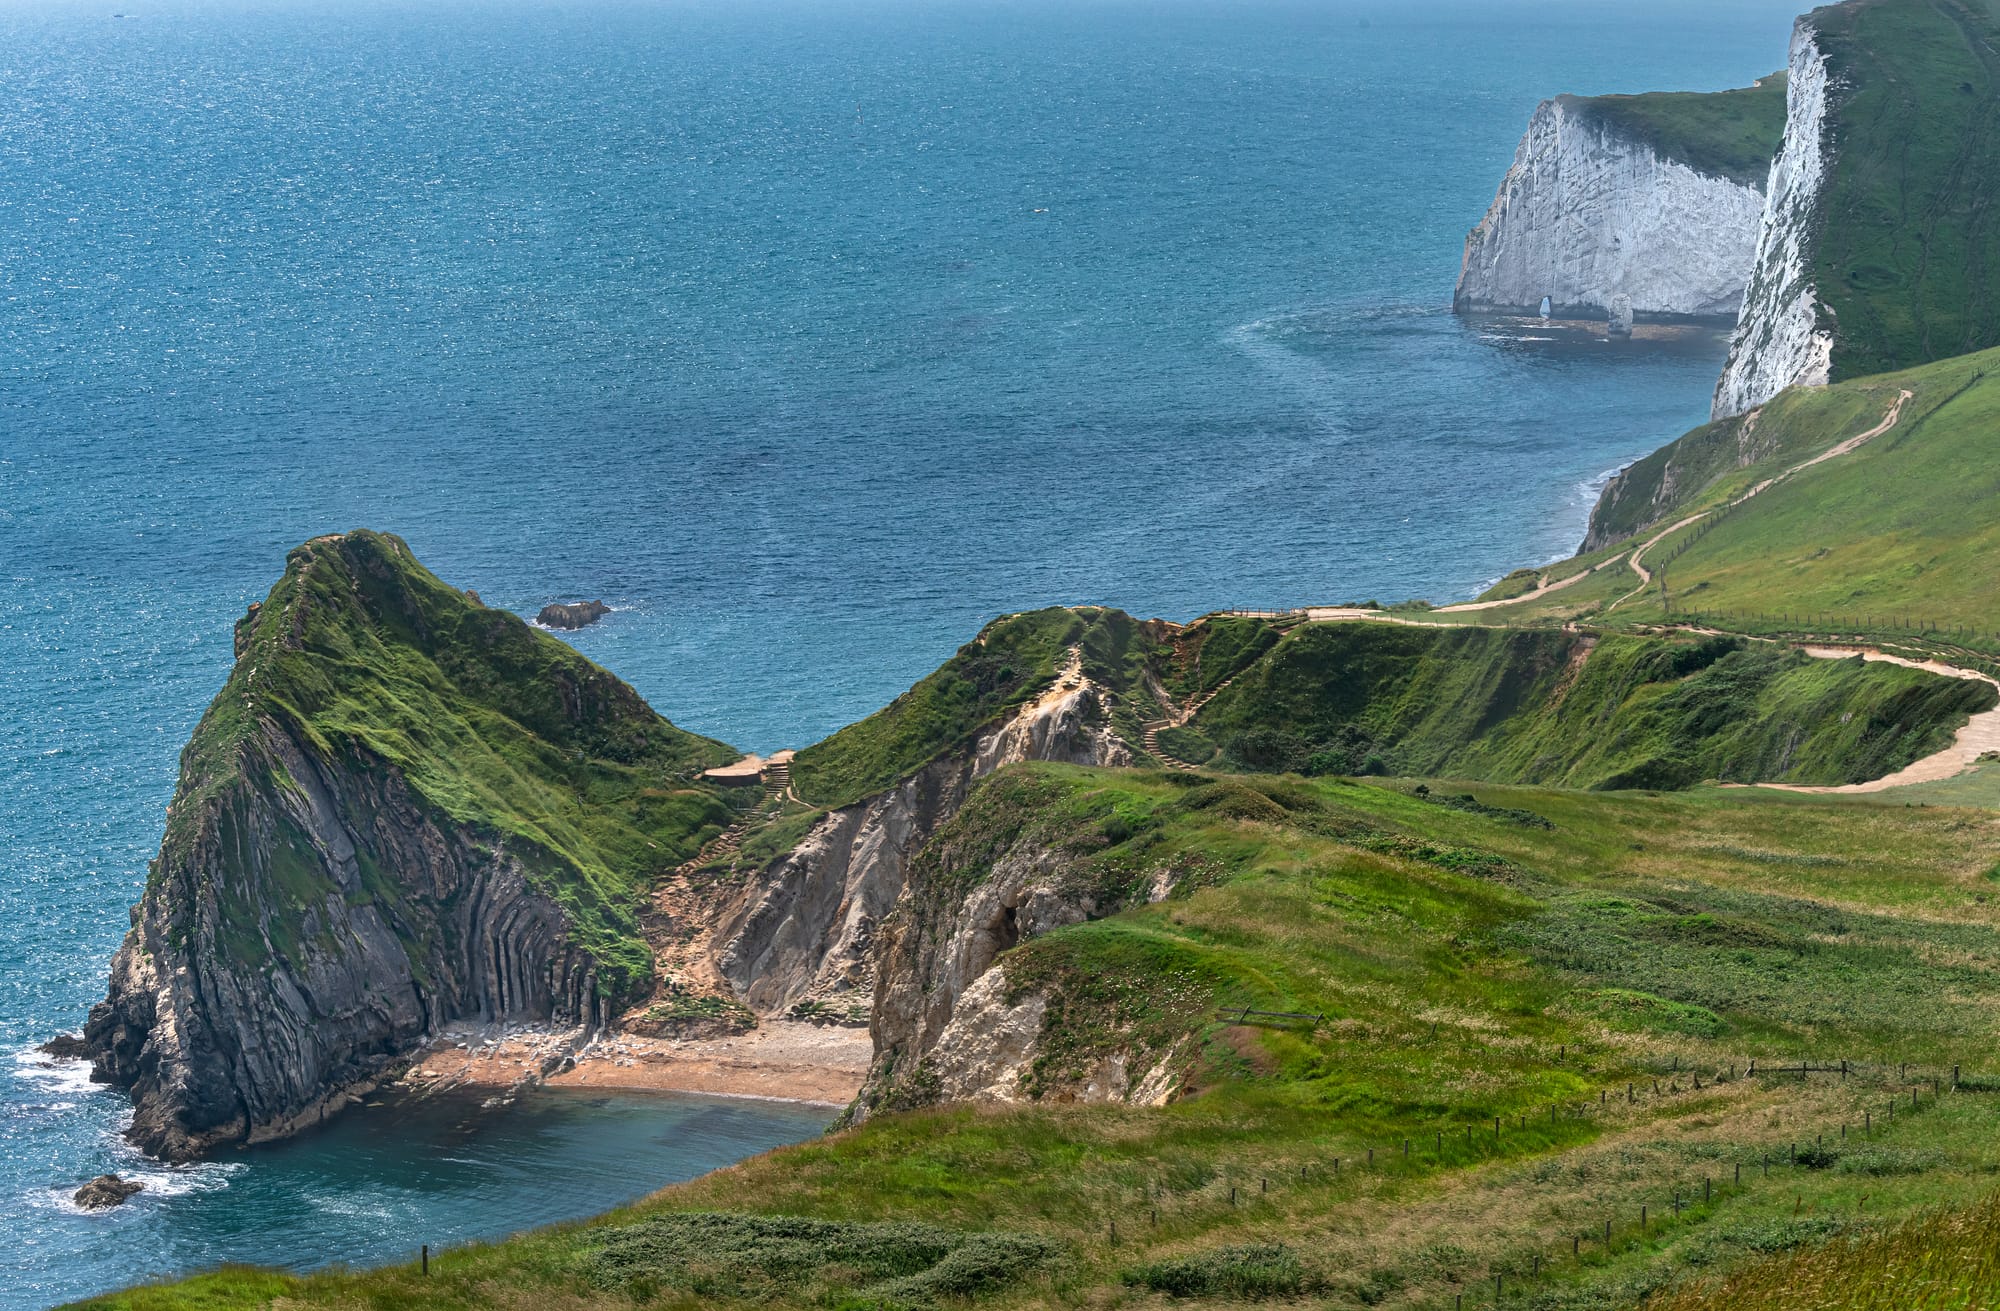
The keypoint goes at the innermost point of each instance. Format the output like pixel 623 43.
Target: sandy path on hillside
pixel 1542 588
pixel 1980 734
pixel 780 1059
pixel 1637 558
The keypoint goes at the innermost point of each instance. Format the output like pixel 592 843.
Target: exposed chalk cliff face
pixel 1785 336
pixel 1590 217
pixel 371 838
pixel 805 928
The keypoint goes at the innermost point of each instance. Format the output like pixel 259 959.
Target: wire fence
pixel 1896 1094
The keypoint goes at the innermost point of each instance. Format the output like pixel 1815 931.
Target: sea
pixel 807 334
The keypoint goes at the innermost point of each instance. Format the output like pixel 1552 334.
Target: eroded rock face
pixel 949 1024
pixel 312 923
pixel 575 614
pixel 107 1190
pixel 805 929
pixel 1635 498
pixel 1786 335
pixel 1593 220
pixel 66 1047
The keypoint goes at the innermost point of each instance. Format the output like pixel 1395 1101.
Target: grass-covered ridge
pixel 1730 134
pixel 1470 965
pixel 1557 707
pixel 370 662
pixel 1902 530
pixel 1905 251
pixel 1013 660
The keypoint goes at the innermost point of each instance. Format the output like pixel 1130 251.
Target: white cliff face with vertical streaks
pixel 1785 336
pixel 1590 218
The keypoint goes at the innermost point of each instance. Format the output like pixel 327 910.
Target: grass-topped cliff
pixel 1905 248
pixel 1557 707
pixel 1731 134
pixel 402 810
pixel 1894 535
pixel 368 658
pixel 1013 660
pixel 1486 971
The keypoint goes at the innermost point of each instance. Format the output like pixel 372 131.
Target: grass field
pixel 1731 134
pixel 1906 249
pixel 1478 952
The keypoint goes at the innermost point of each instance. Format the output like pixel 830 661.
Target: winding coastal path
pixel 1542 588
pixel 1978 736
pixel 1638 557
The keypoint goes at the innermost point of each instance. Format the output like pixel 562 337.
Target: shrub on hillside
pixel 1270 751
pixel 1254 1270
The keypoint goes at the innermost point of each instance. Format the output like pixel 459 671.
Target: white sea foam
pixel 49 1074
pixel 1589 489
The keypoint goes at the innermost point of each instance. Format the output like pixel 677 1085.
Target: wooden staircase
pixel 1149 737
pixel 777 780
pixel 1150 732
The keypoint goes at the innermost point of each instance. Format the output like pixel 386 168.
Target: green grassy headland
pixel 372 664
pixel 1905 250
pixel 1730 134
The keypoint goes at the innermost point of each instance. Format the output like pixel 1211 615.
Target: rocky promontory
pixel 379 829
pixel 407 812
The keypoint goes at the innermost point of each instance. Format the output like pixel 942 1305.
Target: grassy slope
pixel 363 653
pixel 1731 134
pixel 1896 536
pixel 1901 527
pixel 1472 965
pixel 1512 705
pixel 1907 250
pixel 1944 1261
pixel 1013 660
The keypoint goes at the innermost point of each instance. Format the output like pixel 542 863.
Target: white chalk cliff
pixel 1587 216
pixel 1785 334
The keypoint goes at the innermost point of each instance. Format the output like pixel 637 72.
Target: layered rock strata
pixel 403 810
pixel 250 999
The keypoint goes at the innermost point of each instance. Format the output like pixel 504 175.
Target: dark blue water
pixel 810 335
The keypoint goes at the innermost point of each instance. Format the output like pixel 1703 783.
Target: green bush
pixel 1254 1270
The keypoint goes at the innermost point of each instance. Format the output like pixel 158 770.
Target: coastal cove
pixel 1187 380
pixel 376 1183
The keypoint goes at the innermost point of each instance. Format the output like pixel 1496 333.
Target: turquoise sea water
pixel 808 335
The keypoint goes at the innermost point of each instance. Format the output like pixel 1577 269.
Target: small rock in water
pixel 66 1047
pixel 106 1190
pixel 574 615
